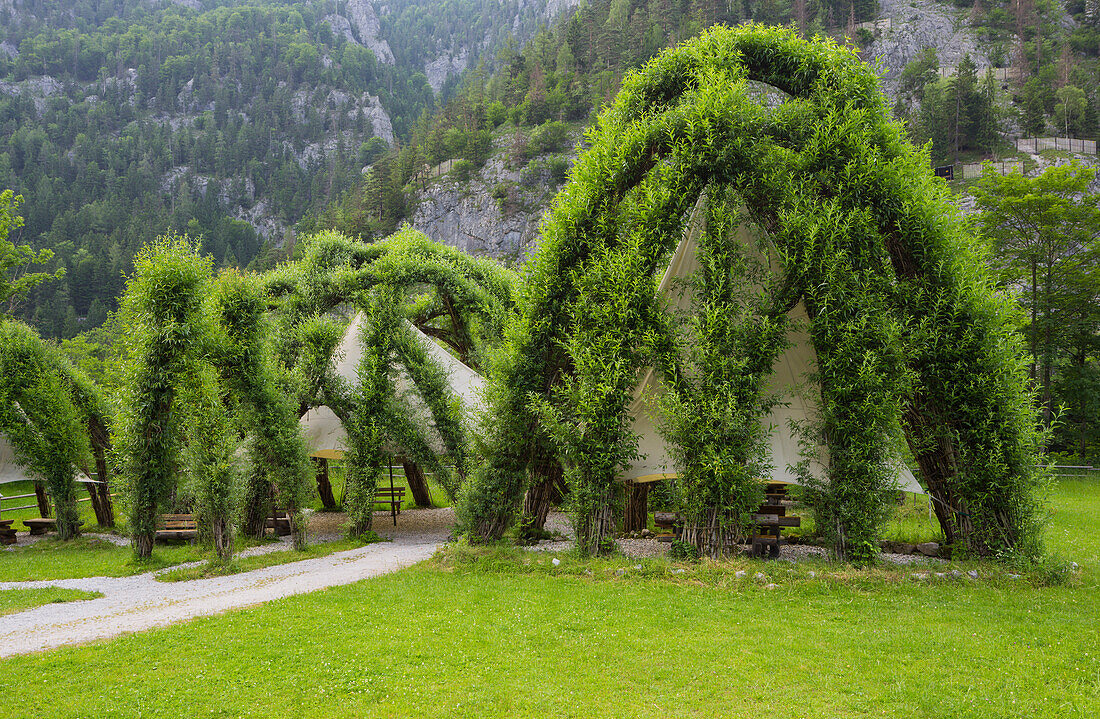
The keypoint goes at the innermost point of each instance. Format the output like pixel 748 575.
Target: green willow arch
pixel 460 300
pixel 905 323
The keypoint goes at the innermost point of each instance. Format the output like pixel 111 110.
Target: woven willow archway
pixel 903 319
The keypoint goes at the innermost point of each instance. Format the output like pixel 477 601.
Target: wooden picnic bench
pixel 7 532
pixel 392 496
pixel 41 525
pixel 279 521
pixel 176 526
pixel 770 519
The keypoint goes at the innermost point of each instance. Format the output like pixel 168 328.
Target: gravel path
pixel 645 548
pixel 133 604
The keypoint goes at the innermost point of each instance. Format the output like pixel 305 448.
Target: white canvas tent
pixel 789 380
pixel 10 470
pixel 323 430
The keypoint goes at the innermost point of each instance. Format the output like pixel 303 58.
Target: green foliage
pixel 14 258
pixel 246 364
pixel 717 396
pixel 39 417
pixel 680 551
pixel 165 328
pixel 956 115
pixel 1044 231
pixel 904 322
pixel 459 300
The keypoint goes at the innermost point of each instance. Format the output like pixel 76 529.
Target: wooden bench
pixel 770 519
pixel 176 526
pixel 279 521
pixel 392 496
pixel 40 525
pixel 7 532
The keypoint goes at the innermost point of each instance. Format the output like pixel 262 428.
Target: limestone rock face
pixel 915 25
pixel 444 66
pixel 364 19
pixel 467 215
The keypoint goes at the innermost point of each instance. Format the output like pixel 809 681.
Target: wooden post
pixel 637 507
pixel 43 500
pixel 418 486
pixel 324 487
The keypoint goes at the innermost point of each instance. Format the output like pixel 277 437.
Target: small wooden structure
pixel 770 519
pixel 279 521
pixel 7 532
pixel 176 526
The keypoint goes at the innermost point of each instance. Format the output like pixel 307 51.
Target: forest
pixel 125 119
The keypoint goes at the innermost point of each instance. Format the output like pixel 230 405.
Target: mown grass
pixel 51 558
pixel 247 564
pixel 20 600
pixel 501 632
pixel 336 479
pixel 84 508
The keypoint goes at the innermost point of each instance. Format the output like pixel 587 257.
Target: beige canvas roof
pixel 323 430
pixel 789 380
pixel 10 471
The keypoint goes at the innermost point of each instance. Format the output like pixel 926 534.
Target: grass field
pixel 506 633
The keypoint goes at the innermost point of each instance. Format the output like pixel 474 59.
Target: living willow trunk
pixel 418 485
pixel 710 534
pixel 257 504
pixel 222 531
pixel 636 517
pixel 324 486
pixel 540 495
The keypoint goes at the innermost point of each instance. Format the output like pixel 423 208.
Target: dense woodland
pixel 124 119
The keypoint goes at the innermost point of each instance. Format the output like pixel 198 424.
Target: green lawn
pixel 336 479
pixel 12 489
pixel 506 633
pixel 51 558
pixel 19 600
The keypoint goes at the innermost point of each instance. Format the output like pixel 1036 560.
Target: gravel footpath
pixel 559 523
pixel 133 604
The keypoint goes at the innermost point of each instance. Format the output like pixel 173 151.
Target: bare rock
pixel 929 549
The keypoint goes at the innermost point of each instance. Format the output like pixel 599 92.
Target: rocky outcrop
pixel 444 66
pixel 364 19
pixel 466 215
pixel 919 24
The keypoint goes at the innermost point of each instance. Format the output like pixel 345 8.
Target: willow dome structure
pixel 909 335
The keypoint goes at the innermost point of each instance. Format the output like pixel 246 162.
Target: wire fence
pixel 1066 144
pixel 975 169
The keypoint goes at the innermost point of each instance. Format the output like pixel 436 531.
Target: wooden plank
pixel 771 519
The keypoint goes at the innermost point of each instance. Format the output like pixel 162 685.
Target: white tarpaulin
pixel 789 380
pixel 323 430
pixel 10 471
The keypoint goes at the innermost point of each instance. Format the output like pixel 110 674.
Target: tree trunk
pixel 418 486
pixel 143 545
pixel 708 534
pixel 539 497
pixel 324 487
pixel 100 500
pixel 637 507
pixel 223 538
pixel 257 505
pixel 42 500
